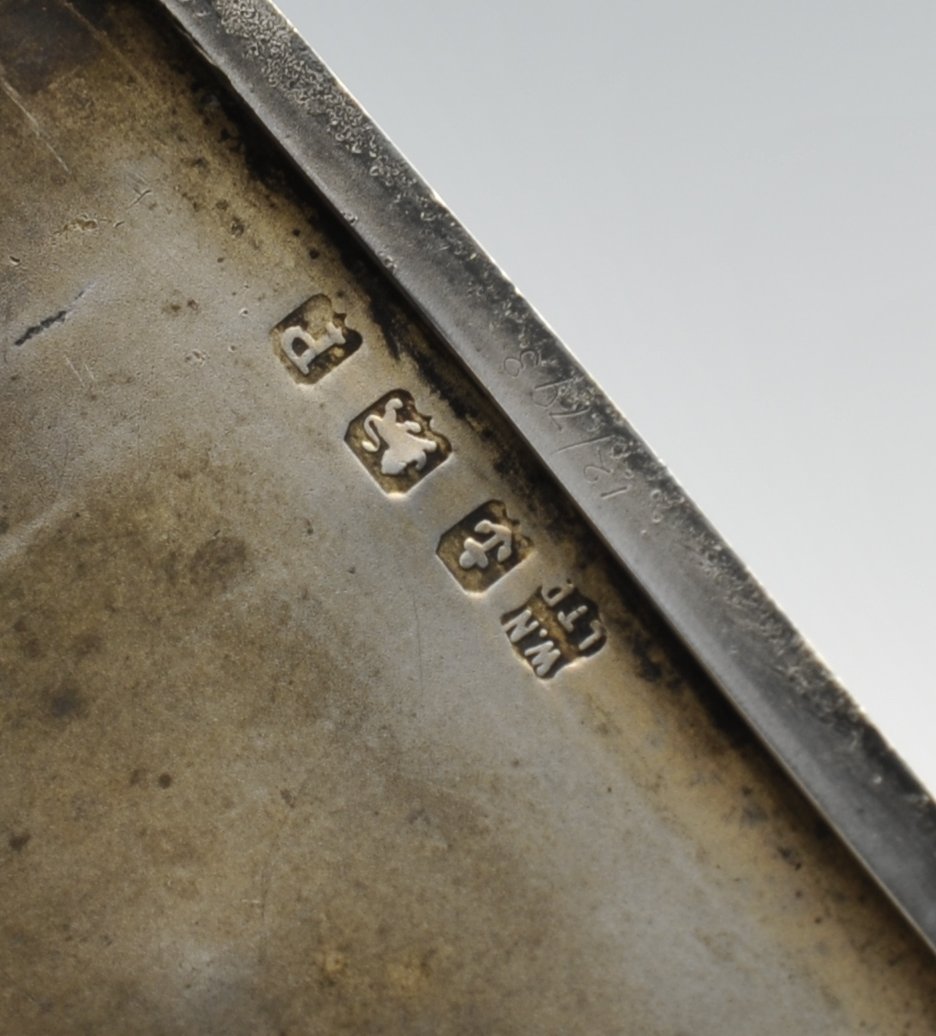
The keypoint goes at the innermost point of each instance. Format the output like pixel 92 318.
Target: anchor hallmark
pixel 483 546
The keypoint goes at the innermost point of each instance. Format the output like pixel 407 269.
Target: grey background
pixel 726 210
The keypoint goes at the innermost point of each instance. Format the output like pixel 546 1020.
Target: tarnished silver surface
pixel 726 619
pixel 321 708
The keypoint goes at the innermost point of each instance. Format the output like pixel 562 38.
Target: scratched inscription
pixel 561 398
pixel 602 456
pixel 556 626
pixel 603 460
pixel 483 546
pixel 313 340
pixel 396 443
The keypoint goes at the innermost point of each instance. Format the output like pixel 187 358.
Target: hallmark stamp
pixel 555 627
pixel 396 443
pixel 483 546
pixel 313 340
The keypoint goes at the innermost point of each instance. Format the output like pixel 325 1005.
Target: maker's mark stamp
pixel 483 546
pixel 556 626
pixel 396 443
pixel 313 340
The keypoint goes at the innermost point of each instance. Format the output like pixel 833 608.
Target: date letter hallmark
pixel 554 628
pixel 482 547
pixel 396 443
pixel 313 340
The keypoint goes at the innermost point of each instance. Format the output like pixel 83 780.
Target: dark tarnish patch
pixel 41 41
pixel 217 563
pixel 647 667
pixel 87 644
pixel 790 856
pixel 96 12
pixel 18 841
pixel 67 704
pixel 391 321
pixel 27 642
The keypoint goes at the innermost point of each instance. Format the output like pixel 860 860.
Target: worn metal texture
pixel 321 709
pixel 751 650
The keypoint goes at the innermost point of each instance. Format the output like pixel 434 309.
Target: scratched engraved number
pixel 604 455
